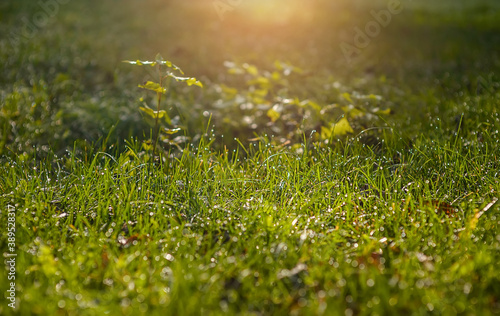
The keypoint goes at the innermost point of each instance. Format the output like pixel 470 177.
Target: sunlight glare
pixel 276 11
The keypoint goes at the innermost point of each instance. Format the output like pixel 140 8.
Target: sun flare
pixel 275 11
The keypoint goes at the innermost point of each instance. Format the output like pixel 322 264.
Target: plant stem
pixel 158 94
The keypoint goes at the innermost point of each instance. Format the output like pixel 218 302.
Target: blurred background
pixel 62 78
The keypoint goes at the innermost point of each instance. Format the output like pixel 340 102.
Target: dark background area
pixel 64 80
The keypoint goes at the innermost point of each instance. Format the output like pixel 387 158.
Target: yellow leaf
pixel 273 114
pixel 276 76
pixel 193 81
pixel 251 69
pixel 342 127
pixel 352 111
pixel 326 132
pixel 153 86
pixel 155 114
pixel 258 100
pixel 262 81
pixel 261 92
pixel 374 97
pixel 169 64
pixel 229 93
pixel 382 112
pixel 188 80
pixel 312 104
pixel 347 96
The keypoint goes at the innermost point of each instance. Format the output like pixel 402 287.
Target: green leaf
pixel 171 131
pixel 139 62
pixel 159 60
pixel 263 82
pixel 153 86
pixel 148 111
pixel 229 92
pixel 193 81
pixel 189 80
pixel 147 146
pixel 155 114
pixel 169 64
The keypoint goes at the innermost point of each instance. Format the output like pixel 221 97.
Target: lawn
pixel 312 158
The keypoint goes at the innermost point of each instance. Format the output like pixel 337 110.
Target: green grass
pixel 323 231
pixel 252 216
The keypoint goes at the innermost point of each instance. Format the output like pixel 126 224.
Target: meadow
pixel 310 158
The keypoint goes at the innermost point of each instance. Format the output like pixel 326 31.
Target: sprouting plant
pixel 165 71
pixel 266 100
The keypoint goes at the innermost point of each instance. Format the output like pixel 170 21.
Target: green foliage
pixel 265 103
pixel 164 72
pixel 377 194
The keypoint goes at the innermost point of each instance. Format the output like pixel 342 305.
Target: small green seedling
pixel 166 71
